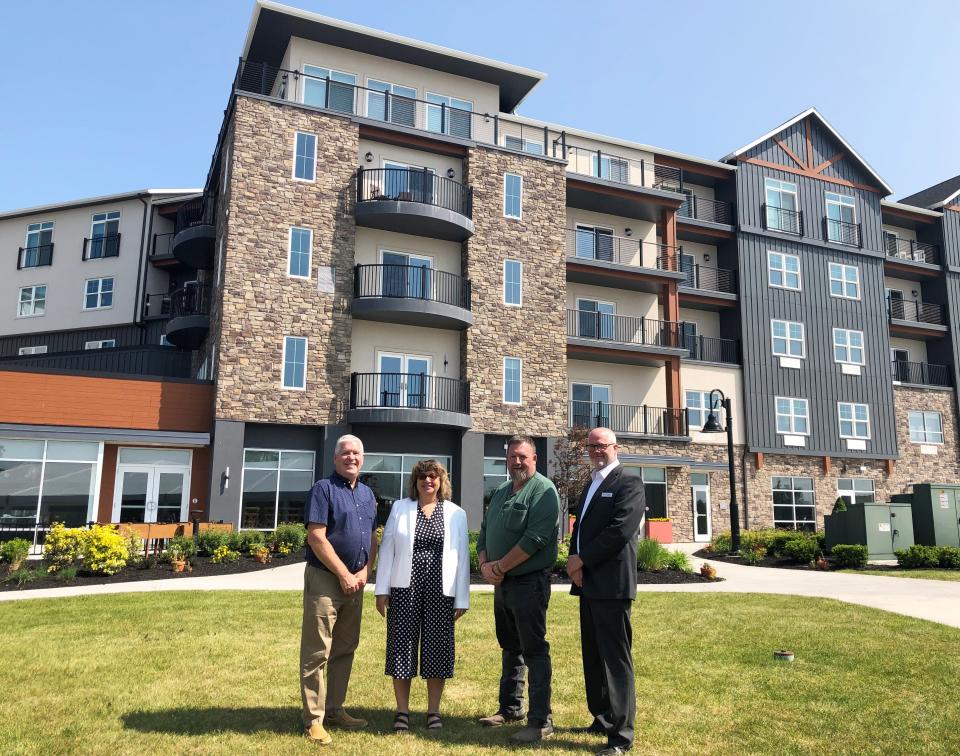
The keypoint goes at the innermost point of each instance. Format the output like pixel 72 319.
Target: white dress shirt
pixel 598 476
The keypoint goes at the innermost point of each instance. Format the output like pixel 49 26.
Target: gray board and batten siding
pixel 145 334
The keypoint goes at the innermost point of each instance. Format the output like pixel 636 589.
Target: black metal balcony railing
pixel 711 349
pixel 842 232
pixel 921 373
pixel 161 245
pixel 101 246
pixel 34 257
pixel 908 249
pixel 915 311
pixel 782 219
pixel 192 299
pixel 411 282
pixel 410 185
pixel 709 279
pixel 589 244
pixel 704 209
pixel 623 329
pixel 623 170
pixel 415 391
pixel 626 418
pixel 199 211
pixel 156 306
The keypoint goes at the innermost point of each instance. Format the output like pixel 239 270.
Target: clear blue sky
pixel 104 96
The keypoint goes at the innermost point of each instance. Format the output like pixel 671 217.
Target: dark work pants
pixel 520 613
pixel 606 637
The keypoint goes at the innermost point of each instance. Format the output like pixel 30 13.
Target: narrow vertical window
pixel 301 246
pixel 512 195
pixel 512 380
pixel 294 362
pixel 513 283
pixel 305 157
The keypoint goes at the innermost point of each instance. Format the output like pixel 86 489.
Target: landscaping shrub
pixel 950 557
pixel 472 537
pixel 14 552
pixel 288 537
pixel 651 556
pixel 801 548
pixel 25 575
pixel 677 560
pixel 104 551
pixel 67 574
pixel 778 541
pixel 180 547
pixel 840 505
pixel 210 540
pixel 757 540
pixel 721 543
pixel 224 554
pixel 753 556
pixel 563 551
pixel 918 556
pixel 135 547
pixel 63 546
pixel 245 541
pixel 849 555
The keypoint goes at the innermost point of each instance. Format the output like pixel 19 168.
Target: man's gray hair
pixel 347 437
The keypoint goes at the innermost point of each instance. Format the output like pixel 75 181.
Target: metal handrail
pixel 156 305
pixel 411 282
pixel 162 245
pixel 191 299
pixel 712 349
pixel 623 329
pixel 587 244
pixel 34 257
pixel 842 232
pixel 198 211
pixel 414 185
pixel 910 249
pixel 709 279
pixel 782 219
pixel 416 391
pixel 921 373
pixel 915 311
pixel 623 170
pixel 705 209
pixel 101 246
pixel 640 420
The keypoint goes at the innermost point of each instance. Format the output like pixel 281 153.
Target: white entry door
pixel 150 493
pixel 702 526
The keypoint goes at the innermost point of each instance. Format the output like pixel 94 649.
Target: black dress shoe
pixel 592 729
pixel 611 751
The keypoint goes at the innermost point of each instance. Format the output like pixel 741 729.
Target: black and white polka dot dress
pixel 421 617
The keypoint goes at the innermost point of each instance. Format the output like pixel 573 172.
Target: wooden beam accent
pixel 717 232
pixel 402 139
pixel 687 165
pixel 890 465
pixel 621 356
pixel 892 265
pixel 626 276
pixel 955 208
pixel 798 172
pixel 828 162
pixel 826 465
pixel 791 153
pixel 759 460
pixel 919 217
pixel 806 126
pixel 668 234
pixel 691 296
pixel 635 193
pixel 674 398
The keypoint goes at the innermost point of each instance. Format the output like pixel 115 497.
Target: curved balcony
pixel 189 316
pixel 195 233
pixel 414 201
pixel 409 398
pixel 411 294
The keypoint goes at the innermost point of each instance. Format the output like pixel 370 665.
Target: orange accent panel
pixel 826 465
pixel 890 464
pixel 759 460
pixel 48 399
pixel 673 383
pixel 108 479
pixel 806 124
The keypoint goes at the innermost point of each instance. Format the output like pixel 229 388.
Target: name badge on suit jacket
pixel 606 494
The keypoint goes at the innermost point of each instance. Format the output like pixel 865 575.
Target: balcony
pixel 101 246
pixel 711 349
pixel 606 337
pixel 409 398
pixel 602 259
pixel 783 220
pixel 189 316
pixel 842 232
pixel 411 294
pixel 921 373
pixel 910 250
pixel 155 361
pixel 913 319
pixel 35 257
pixel 156 306
pixel 195 233
pixel 708 210
pixel 414 202
pixel 705 278
pixel 630 420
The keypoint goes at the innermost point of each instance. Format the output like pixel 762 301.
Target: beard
pixel 521 475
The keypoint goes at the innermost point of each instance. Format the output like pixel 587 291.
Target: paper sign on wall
pixel 944 504
pixel 884 527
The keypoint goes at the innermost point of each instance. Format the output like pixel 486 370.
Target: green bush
pixel 677 560
pixel 753 540
pixel 563 551
pixel 721 543
pixel 753 556
pixel 180 547
pixel 950 557
pixel 849 555
pixel 245 541
pixel 918 556
pixel 14 552
pixel 778 541
pixel 224 555
pixel 104 551
pixel 801 548
pixel 288 537
pixel 840 505
pixel 651 556
pixel 63 546
pixel 210 540
pixel 25 575
pixel 472 537
pixel 67 574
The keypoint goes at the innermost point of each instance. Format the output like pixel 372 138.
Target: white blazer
pixel 396 551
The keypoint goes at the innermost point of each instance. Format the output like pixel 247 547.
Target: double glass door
pixel 406 276
pixel 147 493
pixel 404 380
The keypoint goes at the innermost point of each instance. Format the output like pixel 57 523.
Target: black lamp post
pixel 713 426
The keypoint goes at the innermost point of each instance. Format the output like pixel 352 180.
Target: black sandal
pixel 401 722
pixel 433 721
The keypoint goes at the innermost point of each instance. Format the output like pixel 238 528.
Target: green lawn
pixel 928 574
pixel 203 673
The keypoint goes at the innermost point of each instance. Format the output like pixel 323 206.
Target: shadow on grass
pixel 285 720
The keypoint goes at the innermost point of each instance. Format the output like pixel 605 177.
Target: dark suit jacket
pixel 608 536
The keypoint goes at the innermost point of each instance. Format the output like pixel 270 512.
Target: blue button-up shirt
pixel 348 513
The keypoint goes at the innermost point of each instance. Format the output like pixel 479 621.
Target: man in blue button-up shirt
pixel 340 550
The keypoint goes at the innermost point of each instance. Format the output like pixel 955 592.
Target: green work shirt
pixel 529 518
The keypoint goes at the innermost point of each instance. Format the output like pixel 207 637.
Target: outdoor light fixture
pixel 368 157
pixel 628 231
pixel 451 173
pixel 713 426
pixel 706 258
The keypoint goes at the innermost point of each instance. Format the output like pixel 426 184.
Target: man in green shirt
pixel 517 549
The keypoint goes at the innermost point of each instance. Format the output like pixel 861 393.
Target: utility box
pixel 936 514
pixel 882 528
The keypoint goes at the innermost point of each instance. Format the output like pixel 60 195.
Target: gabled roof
pixel 937 195
pixel 826 125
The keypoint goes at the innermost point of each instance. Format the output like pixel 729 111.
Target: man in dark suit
pixel 603 568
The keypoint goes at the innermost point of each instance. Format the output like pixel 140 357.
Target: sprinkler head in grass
pixel 783 655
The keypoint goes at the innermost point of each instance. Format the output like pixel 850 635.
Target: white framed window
pixel 655 491
pixel 100 344
pixel 781 206
pixel 98 293
pixel 512 380
pixel 299 252
pixel 274 487
pixel 854 420
pixel 855 490
pixel 844 281
pixel 449 115
pixel 513 283
pixel 305 156
pixel 104 236
pixel 698 408
pixel 788 339
pixel 794 506
pixel 848 346
pixel 793 416
pixel 841 219
pixel 925 427
pixel 32 301
pixel 40 349
pixel 38 245
pixel 783 271
pixel 327 88
pixel 294 363
pixel 393 103
pixel 523 145
pixel 512 195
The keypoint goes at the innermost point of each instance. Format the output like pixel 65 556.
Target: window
pixel 32 301
pixel 512 195
pixel 594 243
pixel 305 157
pixel 925 427
pixel 854 420
pixel 793 504
pixel 844 281
pixel 225 172
pixel 98 294
pixel 841 219
pixel 848 346
pixel 512 380
pixel 523 145
pixel 783 271
pixel 101 344
pixel 611 168
pixel 391 102
pixel 589 405
pixel 655 490
pixel 301 247
pixel 294 362
pixel 23 351
pixel 855 490
pixel 698 408
pixel 788 339
pixel 389 475
pixel 494 474
pixel 595 319
pixel 513 282
pixel 38 246
pixel 793 416
pixel 275 486
pixel 448 115
pixel 326 88
pixel 781 206
pixel 104 236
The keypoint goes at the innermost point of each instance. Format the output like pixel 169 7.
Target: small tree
pixel 572 469
pixel 840 505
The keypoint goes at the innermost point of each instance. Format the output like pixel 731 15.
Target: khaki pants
pixel 329 636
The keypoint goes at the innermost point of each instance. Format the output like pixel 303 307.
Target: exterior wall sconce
pixel 451 173
pixel 706 258
pixel 368 157
pixel 628 231
pixel 914 294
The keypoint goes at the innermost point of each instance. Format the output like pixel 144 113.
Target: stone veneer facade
pixel 260 303
pixel 535 332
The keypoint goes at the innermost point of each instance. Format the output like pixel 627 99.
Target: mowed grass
pixel 216 673
pixel 928 574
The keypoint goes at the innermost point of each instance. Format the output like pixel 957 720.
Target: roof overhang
pixel 272 25
pixel 103 199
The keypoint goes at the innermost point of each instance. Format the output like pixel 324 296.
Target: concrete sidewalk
pixel 935 600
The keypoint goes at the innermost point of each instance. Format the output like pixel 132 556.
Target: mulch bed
pixel 780 564
pixel 663 577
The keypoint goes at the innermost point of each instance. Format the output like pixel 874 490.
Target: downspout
pixel 144 235
pixel 746 497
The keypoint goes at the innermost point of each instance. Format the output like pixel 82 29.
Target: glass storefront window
pixel 275 487
pixel 494 474
pixel 388 476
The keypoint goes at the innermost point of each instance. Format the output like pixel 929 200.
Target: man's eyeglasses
pixel 598 447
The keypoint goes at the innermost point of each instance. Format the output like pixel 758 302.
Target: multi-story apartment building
pixel 385 247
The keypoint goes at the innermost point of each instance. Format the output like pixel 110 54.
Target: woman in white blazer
pixel 423 587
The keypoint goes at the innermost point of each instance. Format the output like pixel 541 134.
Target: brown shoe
pixel 340 718
pixel 499 719
pixel 317 734
pixel 532 733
